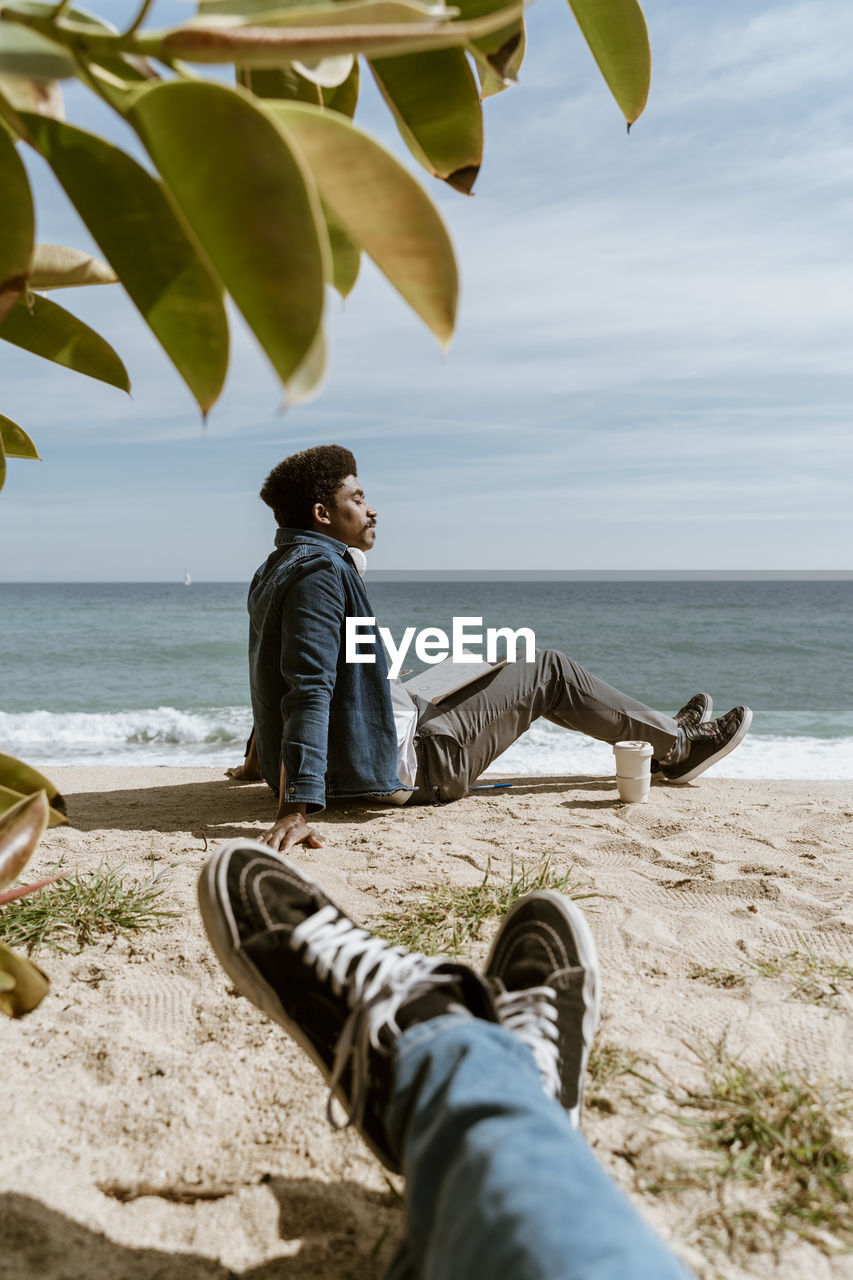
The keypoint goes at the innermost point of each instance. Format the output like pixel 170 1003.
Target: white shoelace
pixel 384 977
pixel 532 1015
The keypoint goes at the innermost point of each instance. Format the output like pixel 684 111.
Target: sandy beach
pixel 158 1126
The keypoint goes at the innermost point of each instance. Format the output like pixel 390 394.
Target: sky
pixel 652 367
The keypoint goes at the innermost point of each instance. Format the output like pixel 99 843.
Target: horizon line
pixel 497 575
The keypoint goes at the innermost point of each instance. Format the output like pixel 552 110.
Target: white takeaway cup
pixel 633 771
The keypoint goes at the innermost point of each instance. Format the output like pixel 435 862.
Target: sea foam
pixel 215 736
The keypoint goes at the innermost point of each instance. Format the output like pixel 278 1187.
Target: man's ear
pixel 321 513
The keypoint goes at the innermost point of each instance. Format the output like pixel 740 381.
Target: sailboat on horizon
pixel 187 579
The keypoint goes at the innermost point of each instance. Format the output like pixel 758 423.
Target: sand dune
pixel 160 1127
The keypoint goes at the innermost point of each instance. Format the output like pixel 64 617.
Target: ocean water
pixel 155 674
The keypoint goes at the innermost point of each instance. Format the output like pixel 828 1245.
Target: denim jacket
pixel 328 721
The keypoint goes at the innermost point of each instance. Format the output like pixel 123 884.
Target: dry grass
pixel 451 917
pixel 75 912
pixel 817 979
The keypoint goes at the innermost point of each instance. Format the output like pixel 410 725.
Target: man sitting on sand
pixel 470 1085
pixel 325 728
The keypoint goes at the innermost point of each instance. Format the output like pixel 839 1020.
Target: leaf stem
pixel 140 18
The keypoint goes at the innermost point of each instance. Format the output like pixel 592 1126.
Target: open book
pixel 446 677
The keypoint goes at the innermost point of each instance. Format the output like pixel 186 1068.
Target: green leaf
pixel 251 204
pixel 21 827
pixel 346 255
pixel 17 225
pixel 311 374
pixel 50 331
pixel 23 985
pixel 344 97
pixel 498 55
pixel 13 772
pixel 130 216
pixel 616 33
pixel 381 208
pixel 15 444
pixel 44 97
pixel 55 266
pixel 279 82
pixel 25 53
pixel 435 103
pixel 9 799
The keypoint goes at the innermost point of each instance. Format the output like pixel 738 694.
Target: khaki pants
pixel 459 739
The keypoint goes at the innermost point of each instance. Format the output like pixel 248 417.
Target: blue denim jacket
pixel 328 721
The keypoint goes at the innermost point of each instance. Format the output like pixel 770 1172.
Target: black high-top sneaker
pixel 341 993
pixel 699 709
pixel 544 971
pixel 701 745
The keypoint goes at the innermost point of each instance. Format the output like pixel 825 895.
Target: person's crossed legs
pixel 451 1078
pixel 464 734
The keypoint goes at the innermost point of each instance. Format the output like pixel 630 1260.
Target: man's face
pixel 350 519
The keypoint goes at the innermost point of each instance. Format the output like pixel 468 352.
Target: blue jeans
pixel 498 1183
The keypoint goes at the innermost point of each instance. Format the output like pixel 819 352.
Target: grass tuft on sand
pixel 451 917
pixel 770 1131
pixel 75 912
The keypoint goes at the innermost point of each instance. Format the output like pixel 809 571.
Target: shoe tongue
pixel 522 975
pixel 464 993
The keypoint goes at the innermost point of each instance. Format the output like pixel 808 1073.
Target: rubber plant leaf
pixel 55 266
pixel 145 242
pixel 15 443
pixel 17 225
pixel 21 827
pixel 44 97
pixel 346 255
pixel 327 73
pixel 279 82
pixel 344 97
pixel 435 103
pixel 27 53
pixel 14 773
pixel 616 33
pixel 23 985
pixel 307 380
pixel 251 203
pixel 48 330
pixel 381 207
pixel 10 798
pixel 498 55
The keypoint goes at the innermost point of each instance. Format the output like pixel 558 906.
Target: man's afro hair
pixel 314 475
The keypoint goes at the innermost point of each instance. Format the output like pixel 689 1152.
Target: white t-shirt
pixel 405 722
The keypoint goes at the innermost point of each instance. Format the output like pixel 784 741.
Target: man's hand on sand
pixel 244 772
pixel 291 830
